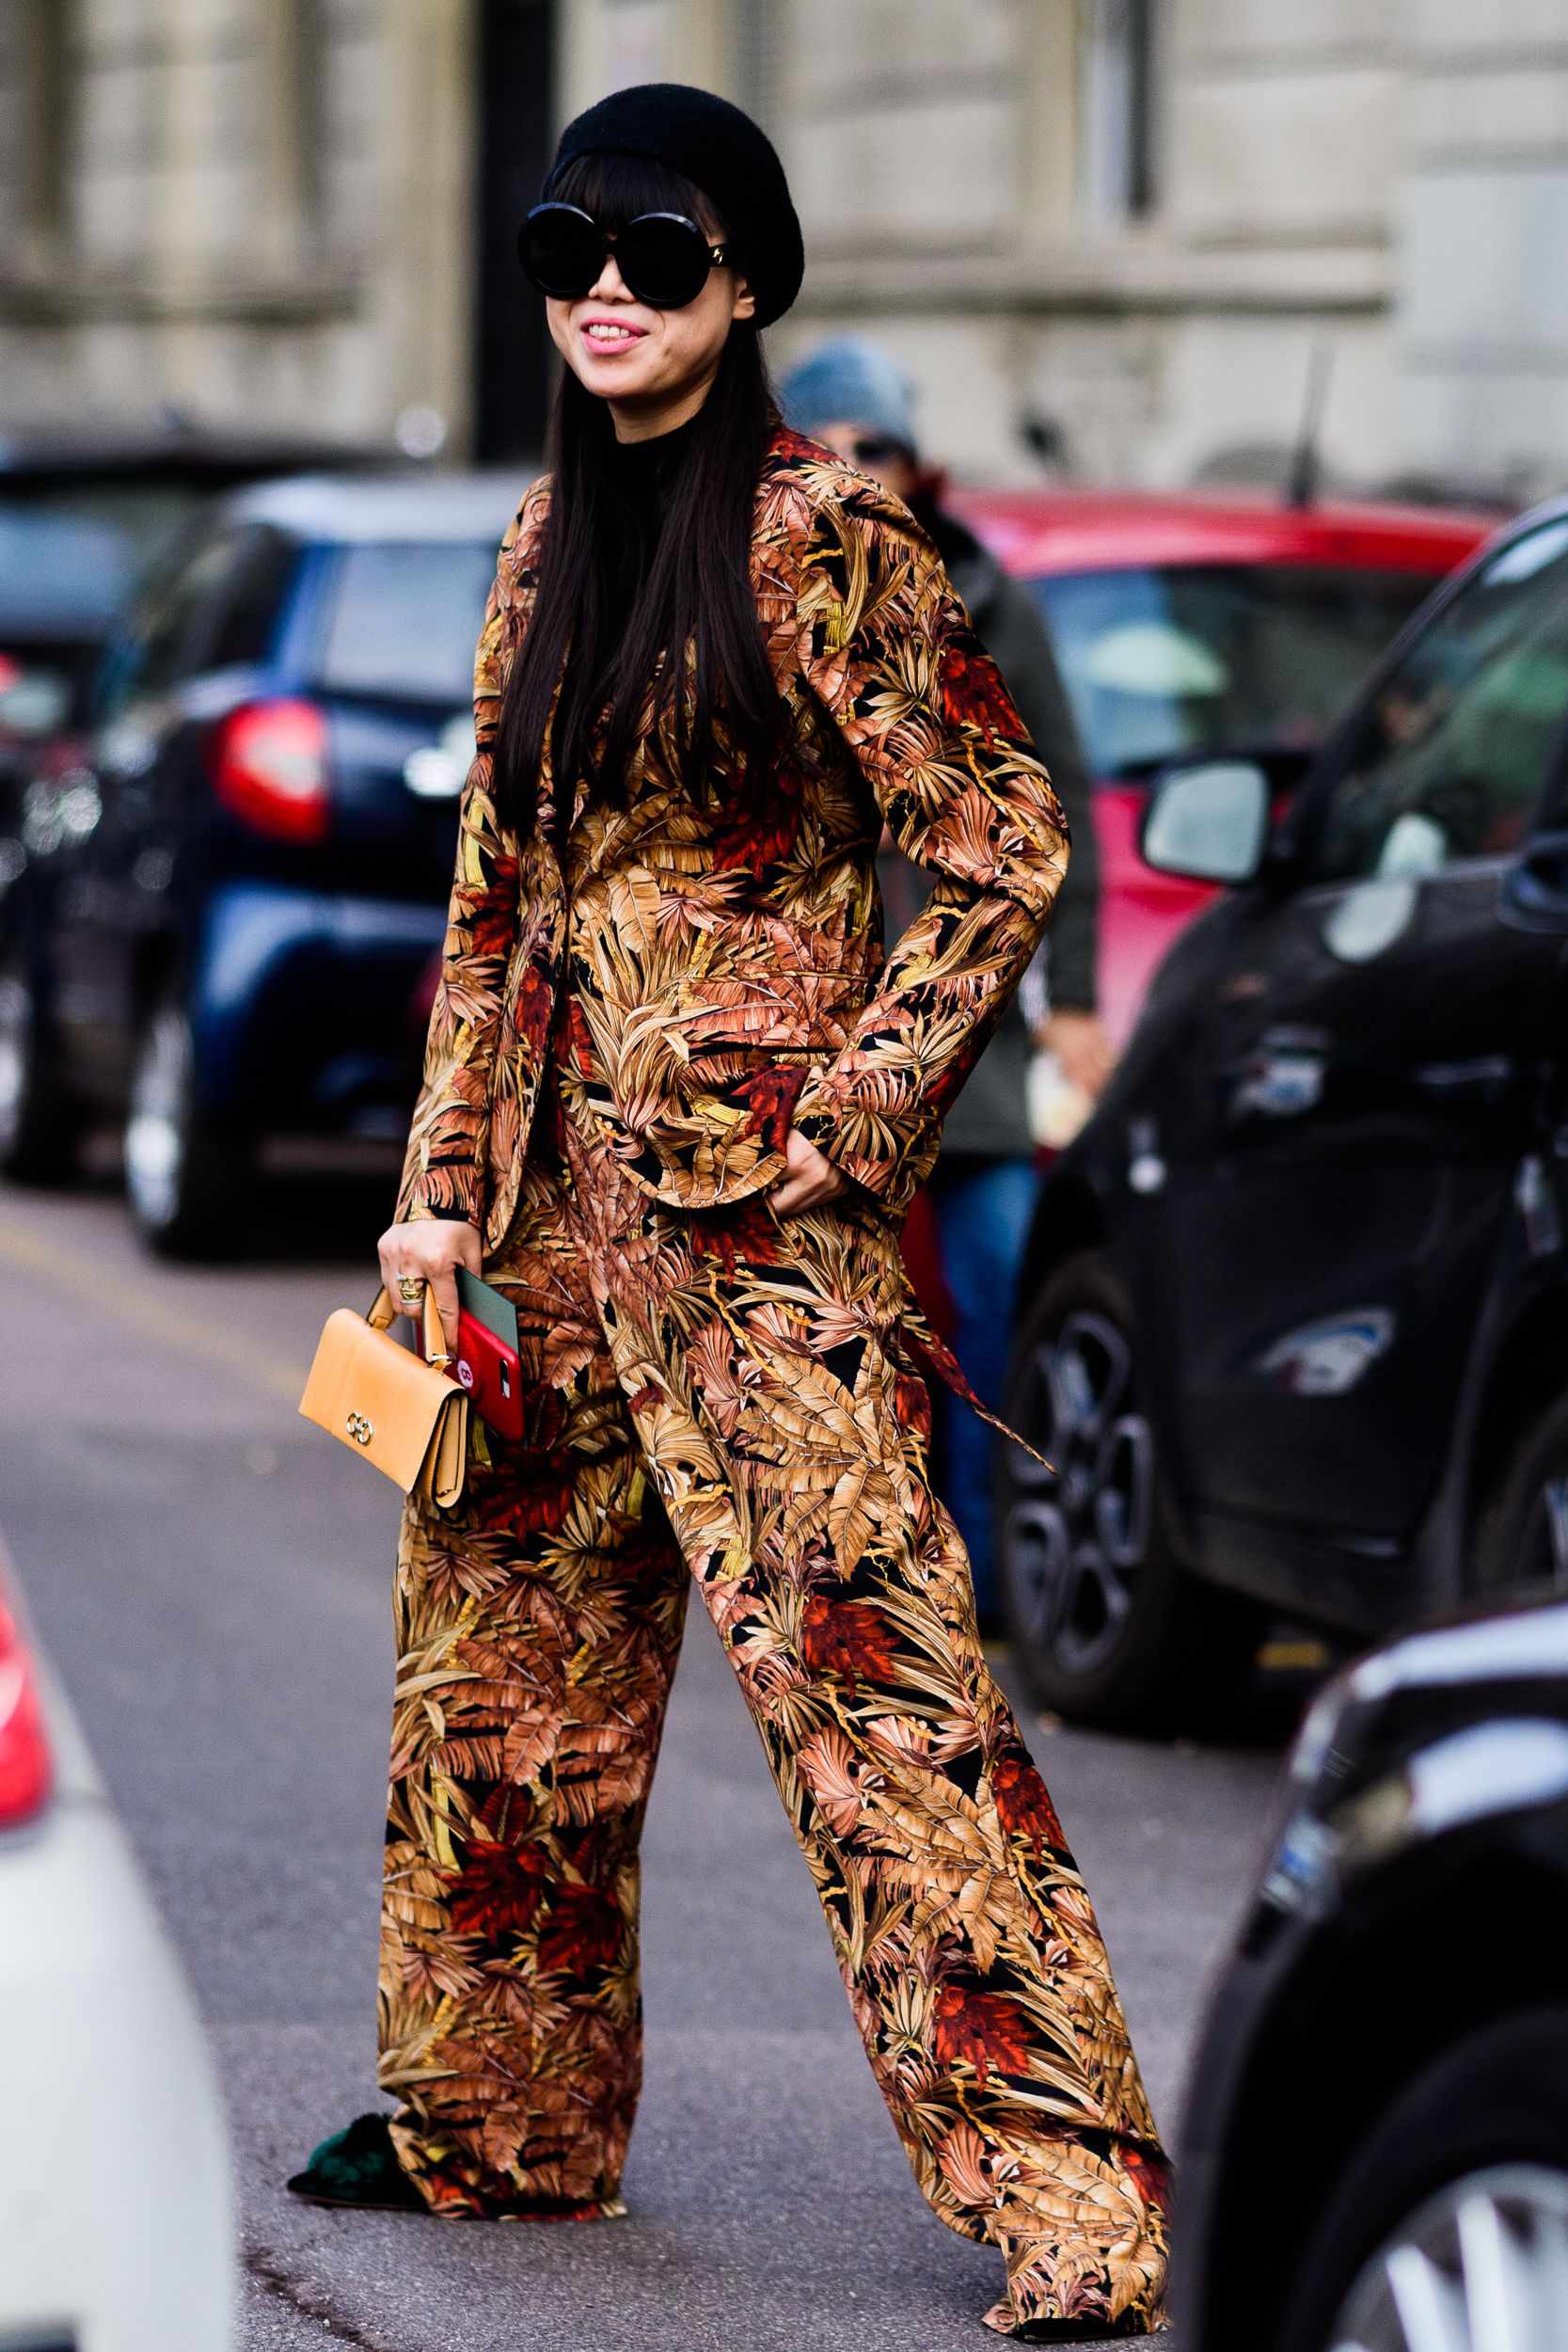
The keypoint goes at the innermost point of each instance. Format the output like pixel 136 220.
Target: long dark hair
pixel 697 591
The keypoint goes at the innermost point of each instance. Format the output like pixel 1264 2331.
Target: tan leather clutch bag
pixel 403 1415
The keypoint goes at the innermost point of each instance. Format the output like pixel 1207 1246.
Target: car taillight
pixel 269 769
pixel 24 1768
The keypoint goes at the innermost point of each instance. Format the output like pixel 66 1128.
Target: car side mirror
pixel 1532 892
pixel 1209 822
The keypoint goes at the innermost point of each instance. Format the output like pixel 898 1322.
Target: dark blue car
pixel 234 891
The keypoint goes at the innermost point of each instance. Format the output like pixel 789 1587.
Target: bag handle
pixel 383 1313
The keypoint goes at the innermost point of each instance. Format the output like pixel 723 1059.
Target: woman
pixel 674 1103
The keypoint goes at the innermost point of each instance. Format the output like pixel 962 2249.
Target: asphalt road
pixel 211 1576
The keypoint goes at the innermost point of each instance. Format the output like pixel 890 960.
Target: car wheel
pixel 1449 2226
pixel 1104 1622
pixel 186 1175
pixel 39 1125
pixel 1522 1538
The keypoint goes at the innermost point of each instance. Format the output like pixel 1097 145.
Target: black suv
pixel 1375 2149
pixel 1295 1321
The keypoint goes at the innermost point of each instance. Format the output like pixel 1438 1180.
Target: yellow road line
pixel 134 1304
pixel 1281 1657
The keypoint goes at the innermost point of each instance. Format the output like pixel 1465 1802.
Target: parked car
pixel 115 2231
pixel 1375 2148
pixel 82 513
pixel 231 895
pixel 1294 1327
pixel 1205 624
pixel 63 584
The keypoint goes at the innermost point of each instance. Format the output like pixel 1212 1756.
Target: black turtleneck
pixel 640 473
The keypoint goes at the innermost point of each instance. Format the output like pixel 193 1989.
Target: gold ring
pixel 410 1289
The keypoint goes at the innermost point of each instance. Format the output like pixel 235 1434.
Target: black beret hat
pixel 720 151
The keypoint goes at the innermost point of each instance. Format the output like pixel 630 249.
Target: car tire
pixel 1469 2167
pixel 187 1174
pixel 1522 1536
pixel 1103 1621
pixel 40 1127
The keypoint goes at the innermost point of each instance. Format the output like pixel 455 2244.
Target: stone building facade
pixel 255 211
pixel 1135 239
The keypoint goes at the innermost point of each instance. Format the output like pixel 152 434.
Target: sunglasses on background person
pixel 877 448
pixel 663 257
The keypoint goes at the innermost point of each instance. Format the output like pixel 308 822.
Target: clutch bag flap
pixel 400 1414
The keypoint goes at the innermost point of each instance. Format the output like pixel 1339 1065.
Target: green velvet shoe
pixel 358 2166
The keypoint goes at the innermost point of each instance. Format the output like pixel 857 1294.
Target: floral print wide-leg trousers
pixel 728 1396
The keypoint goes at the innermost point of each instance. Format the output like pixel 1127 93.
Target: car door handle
pixel 1532 892
pixel 1488 1075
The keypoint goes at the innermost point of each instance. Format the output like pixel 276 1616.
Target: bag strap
pixel 384 1313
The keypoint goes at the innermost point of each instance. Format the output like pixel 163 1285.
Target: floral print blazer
pixel 707 960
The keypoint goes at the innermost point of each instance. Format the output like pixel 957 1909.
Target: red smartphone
pixel 487 1361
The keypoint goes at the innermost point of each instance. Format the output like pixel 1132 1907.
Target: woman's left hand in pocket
pixel 810 1179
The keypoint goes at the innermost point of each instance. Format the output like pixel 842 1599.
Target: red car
pixel 1193 623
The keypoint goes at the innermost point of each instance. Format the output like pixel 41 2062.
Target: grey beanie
pixel 849 381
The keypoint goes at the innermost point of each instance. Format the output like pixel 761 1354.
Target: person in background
pixel 857 401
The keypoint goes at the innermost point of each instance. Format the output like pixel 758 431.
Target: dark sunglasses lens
pixel 561 251
pixel 663 260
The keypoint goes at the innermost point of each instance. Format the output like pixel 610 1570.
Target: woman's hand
pixel 810 1178
pixel 429 1251
pixel 1079 1044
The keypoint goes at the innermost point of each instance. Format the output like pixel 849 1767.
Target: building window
pixel 757 41
pixel 1115 43
pixel 46 147
pixel 295 37
pixel 515 100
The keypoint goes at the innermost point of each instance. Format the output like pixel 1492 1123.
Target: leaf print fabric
pixel 724 1395
pixel 719 945
pixel 629 1023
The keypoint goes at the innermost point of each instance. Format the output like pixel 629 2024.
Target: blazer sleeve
pixel 887 649
pixel 443 1172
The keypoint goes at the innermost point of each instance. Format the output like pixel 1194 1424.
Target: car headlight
pixel 1487 1770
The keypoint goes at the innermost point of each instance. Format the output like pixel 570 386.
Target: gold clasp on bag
pixel 417 1427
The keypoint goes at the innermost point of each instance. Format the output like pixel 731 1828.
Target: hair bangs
pixel 615 188
pixel 694 628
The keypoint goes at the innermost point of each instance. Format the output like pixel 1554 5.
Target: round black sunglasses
pixel 663 257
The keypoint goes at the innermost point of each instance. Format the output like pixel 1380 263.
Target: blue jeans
pixel 983 1212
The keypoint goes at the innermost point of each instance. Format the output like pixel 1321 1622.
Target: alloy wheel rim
pixel 1481 2266
pixel 1075 1538
pixel 1547 1539
pixel 157 1119
pixel 15 1022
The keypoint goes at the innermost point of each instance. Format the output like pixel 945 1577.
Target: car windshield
pixel 404 619
pixel 1201 658
pixel 1455 746
pixel 61 576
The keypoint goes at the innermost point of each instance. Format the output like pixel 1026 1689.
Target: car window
pixel 60 576
pixel 404 619
pixel 1163 662
pixel 1455 744
pixel 147 515
pixel 242 623
pixel 169 627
